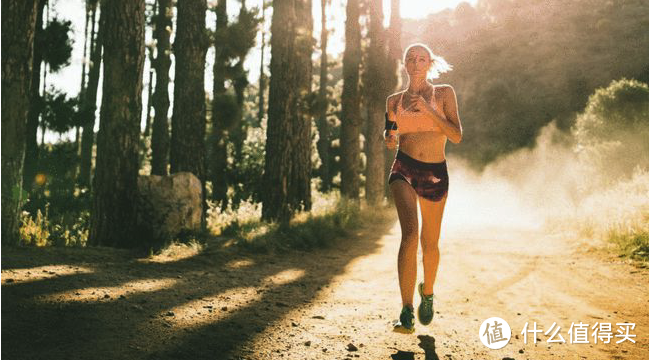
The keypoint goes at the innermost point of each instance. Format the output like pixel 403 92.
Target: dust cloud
pixel 552 187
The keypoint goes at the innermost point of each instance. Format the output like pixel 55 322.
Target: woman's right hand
pixel 391 139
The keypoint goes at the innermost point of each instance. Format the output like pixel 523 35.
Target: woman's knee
pixel 409 239
pixel 428 246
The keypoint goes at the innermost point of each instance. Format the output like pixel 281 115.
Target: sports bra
pixel 414 121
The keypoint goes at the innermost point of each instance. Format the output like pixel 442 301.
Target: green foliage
pixel 520 64
pixel 64 208
pixel 612 132
pixel 306 231
pixel 623 104
pixel 247 172
pixel 66 230
pixel 60 112
pixel 632 243
pixel 56 44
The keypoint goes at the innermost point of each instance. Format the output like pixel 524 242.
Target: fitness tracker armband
pixel 390 125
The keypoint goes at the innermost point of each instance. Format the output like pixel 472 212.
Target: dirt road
pixel 328 304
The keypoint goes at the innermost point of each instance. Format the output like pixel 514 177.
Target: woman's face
pixel 417 62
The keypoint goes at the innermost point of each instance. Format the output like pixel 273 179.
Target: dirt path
pixel 330 304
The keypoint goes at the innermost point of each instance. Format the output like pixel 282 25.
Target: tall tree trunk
pixel 90 99
pixel 351 117
pixel 188 119
pixel 392 70
pixel 113 221
pixel 262 75
pixel 18 27
pixel 375 100
pixel 219 160
pixel 162 64
pixel 288 144
pixel 324 143
pixel 149 102
pixel 82 87
pixel 31 137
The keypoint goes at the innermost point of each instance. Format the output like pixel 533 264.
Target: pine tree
pixel 324 141
pixel 88 106
pixel 160 100
pixel 187 152
pixel 18 27
pixel 375 93
pixel 351 117
pixel 288 139
pixel 31 136
pixel 113 219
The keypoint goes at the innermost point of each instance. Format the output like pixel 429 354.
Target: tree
pixel 18 27
pixel 89 99
pixel 31 136
pixel 351 117
pixel 113 219
pixel 187 152
pixel 53 46
pixel 262 73
pixel 232 42
pixel 375 92
pixel 288 145
pixel 324 141
pixel 162 64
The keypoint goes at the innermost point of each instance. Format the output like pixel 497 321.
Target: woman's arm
pixel 390 132
pixel 451 125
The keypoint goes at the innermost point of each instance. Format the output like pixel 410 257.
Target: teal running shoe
pixel 406 323
pixel 425 310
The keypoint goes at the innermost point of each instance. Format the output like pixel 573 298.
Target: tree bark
pixel 18 27
pixel 113 220
pixel 392 71
pixel 219 160
pixel 90 100
pixel 324 143
pixel 188 119
pixel 288 145
pixel 375 91
pixel 31 139
pixel 262 75
pixel 351 117
pixel 162 64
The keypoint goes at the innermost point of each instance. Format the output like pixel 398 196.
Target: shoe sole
pixel 403 330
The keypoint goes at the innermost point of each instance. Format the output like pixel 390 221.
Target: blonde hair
pixel 439 66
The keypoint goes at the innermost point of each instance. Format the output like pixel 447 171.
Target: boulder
pixel 168 206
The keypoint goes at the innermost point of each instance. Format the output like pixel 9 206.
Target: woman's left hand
pixel 422 105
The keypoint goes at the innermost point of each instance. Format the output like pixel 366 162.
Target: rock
pixel 318 317
pixel 351 347
pixel 168 206
pixel 307 343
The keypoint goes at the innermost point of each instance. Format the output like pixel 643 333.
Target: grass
pixel 632 242
pixel 330 220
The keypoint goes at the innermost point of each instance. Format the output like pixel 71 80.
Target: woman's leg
pixel 405 199
pixel 431 219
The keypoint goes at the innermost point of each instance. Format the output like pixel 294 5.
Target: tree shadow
pixel 135 326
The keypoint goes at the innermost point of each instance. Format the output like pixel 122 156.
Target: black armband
pixel 390 125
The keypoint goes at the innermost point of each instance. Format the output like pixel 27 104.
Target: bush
pixel 612 132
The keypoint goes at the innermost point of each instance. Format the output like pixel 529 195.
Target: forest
pixel 212 181
pixel 308 126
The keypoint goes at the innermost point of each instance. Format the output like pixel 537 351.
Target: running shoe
pixel 425 310
pixel 406 323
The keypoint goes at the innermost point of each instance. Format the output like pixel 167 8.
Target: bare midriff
pixel 426 146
